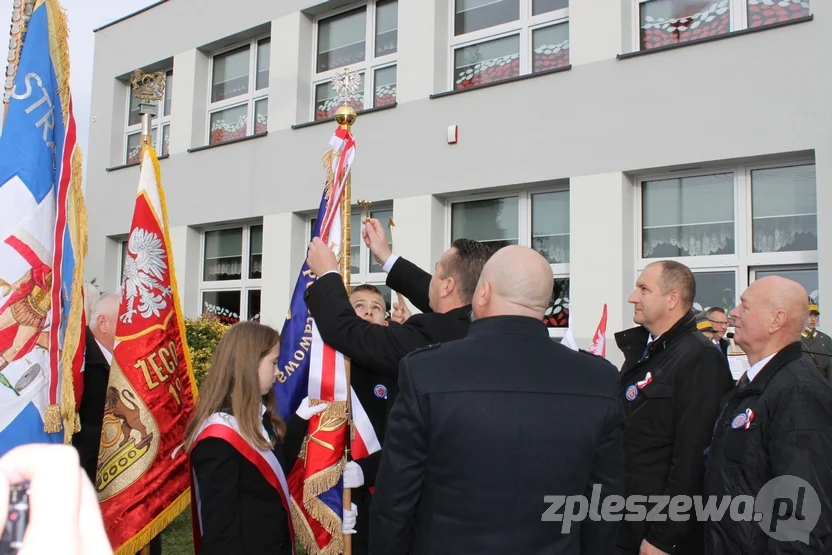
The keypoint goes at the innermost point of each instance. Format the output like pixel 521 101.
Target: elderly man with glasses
pixel 719 320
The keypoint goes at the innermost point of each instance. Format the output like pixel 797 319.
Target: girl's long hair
pixel 232 384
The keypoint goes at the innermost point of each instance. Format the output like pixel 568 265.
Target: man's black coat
pixel 375 352
pixel 670 418
pixel 482 430
pixel 789 434
pixel 91 411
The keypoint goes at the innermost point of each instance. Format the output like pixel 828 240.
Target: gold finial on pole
pixel 150 89
pixel 346 86
pixel 21 14
pixel 366 205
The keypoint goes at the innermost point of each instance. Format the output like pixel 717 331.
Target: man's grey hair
pixel 105 305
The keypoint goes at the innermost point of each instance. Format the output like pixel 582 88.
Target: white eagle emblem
pixel 144 270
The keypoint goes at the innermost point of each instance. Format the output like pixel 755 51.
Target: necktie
pixel 743 381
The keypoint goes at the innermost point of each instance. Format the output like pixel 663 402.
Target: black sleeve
pixel 801 447
pixel 377 348
pixel 696 407
pixel 410 280
pixel 608 472
pixel 369 466
pixel 217 467
pixel 401 473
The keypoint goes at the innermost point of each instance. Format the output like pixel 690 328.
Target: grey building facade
pixel 604 133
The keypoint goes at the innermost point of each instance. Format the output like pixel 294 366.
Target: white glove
pixel 353 475
pixel 350 516
pixel 307 411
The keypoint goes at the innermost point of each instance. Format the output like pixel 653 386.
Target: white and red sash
pixel 224 426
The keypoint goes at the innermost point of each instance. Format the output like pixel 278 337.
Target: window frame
pixel 524 224
pixel 739 20
pixel 158 123
pixel 744 259
pixel 524 26
pixel 369 66
pixel 243 285
pixel 249 99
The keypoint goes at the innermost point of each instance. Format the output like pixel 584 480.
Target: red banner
pixel 151 392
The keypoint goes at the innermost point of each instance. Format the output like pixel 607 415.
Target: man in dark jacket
pixel 719 321
pixel 777 422
pixel 485 428
pixel 671 383
pixel 380 348
pixel 375 350
pixel 101 335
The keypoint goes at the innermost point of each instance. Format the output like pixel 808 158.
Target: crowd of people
pixel 482 417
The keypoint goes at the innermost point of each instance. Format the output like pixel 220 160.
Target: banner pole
pixel 345 116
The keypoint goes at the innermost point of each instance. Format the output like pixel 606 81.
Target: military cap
pixel 703 323
pixel 813 306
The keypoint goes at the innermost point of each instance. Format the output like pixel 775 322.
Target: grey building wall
pixel 599 124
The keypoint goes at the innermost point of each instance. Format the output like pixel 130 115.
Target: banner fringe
pixel 180 320
pixel 78 234
pixel 322 481
pixel 59 50
pixel 156 526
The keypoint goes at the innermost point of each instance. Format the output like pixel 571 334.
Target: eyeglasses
pixel 718 323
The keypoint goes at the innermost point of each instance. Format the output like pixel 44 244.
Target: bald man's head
pixel 772 313
pixel 103 319
pixel 516 281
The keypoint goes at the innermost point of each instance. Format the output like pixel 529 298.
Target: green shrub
pixel 202 335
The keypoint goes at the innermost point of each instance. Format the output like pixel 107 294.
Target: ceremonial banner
pixel 599 340
pixel 152 392
pixel 309 367
pixel 43 238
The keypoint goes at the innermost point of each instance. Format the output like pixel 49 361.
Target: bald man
pixel 486 427
pixel 776 422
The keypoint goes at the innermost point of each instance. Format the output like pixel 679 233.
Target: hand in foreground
pixel 320 258
pixel 64 515
pixel 353 475
pixel 648 549
pixel 307 410
pixel 400 312
pixel 376 240
pixel 350 516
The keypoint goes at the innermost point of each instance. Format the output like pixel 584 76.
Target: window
pixel 664 22
pixel 133 138
pixel 731 225
pixel 239 92
pixel 536 219
pixel 232 268
pixel 122 256
pixel 363 267
pixel 364 40
pixel 807 276
pixel 499 39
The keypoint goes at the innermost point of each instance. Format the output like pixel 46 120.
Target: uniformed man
pixel 671 384
pixel 775 423
pixel 817 346
pixel 486 427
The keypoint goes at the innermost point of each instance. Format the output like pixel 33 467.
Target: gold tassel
pixel 323 481
pixel 77 427
pixel 156 526
pixel 59 50
pixel 326 161
pixel 180 320
pixel 331 522
pixel 77 223
pixel 52 419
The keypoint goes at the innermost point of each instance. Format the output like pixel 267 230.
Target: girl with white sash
pixel 241 451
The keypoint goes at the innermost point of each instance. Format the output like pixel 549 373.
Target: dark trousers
pixel 362 499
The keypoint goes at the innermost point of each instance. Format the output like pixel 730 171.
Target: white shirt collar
pixel 108 356
pixel 754 370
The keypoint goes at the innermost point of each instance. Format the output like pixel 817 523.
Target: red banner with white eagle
pixel 152 393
